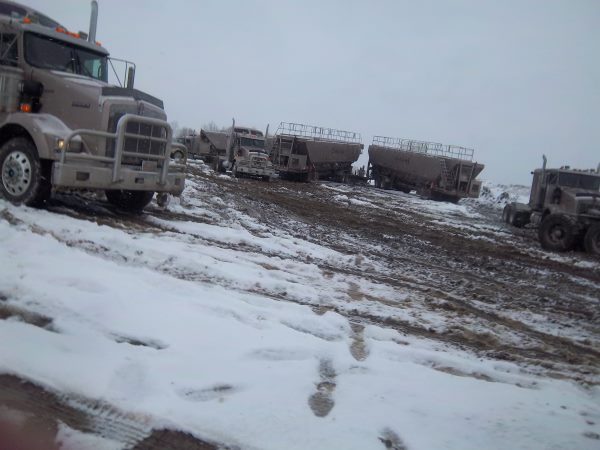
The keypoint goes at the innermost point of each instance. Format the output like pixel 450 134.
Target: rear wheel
pixel 591 241
pixel 558 233
pixel 23 179
pixel 129 200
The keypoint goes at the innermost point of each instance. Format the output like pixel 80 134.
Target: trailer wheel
pixel 377 180
pixel 22 174
pixel 557 233
pixel 134 201
pixel 591 241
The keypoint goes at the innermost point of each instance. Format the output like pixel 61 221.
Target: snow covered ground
pixel 208 319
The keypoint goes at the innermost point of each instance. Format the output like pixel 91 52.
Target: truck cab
pixel 247 154
pixel 565 206
pixel 64 126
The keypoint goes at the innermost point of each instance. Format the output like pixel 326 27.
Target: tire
pixel 23 178
pixel 558 233
pixel 591 241
pixel 521 219
pixel 377 181
pixel 506 213
pixel 134 201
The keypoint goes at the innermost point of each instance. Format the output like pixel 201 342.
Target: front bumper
pixel 255 171
pixel 156 172
pixel 87 176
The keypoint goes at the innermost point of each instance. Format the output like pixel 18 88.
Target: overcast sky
pixel 512 79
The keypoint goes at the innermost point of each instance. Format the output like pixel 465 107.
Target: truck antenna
pixel 93 22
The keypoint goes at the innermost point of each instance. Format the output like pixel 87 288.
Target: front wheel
pixel 134 201
pixel 591 241
pixel 23 181
pixel 558 233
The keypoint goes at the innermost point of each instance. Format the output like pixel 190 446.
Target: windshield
pixel 249 142
pixel 575 180
pixel 49 53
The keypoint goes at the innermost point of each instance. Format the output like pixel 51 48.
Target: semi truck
pixel 210 146
pixel 433 170
pixel 307 152
pixel 565 206
pixel 63 126
pixel 245 153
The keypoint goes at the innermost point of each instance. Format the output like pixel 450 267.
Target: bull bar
pixel 67 172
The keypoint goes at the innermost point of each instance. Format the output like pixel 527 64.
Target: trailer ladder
pixel 283 145
pixel 447 178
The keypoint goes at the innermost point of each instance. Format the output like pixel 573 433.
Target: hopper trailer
pixel 436 171
pixel 305 152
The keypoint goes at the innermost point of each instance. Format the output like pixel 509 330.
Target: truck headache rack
pixel 314 133
pixel 123 137
pixel 430 148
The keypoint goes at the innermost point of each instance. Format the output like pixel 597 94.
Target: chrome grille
pixel 135 144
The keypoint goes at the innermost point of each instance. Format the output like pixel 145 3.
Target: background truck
pixel 565 205
pixel 210 146
pixel 436 171
pixel 302 152
pixel 246 155
pixel 62 125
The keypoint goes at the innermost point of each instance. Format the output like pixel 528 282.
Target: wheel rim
pixel 178 157
pixel 557 234
pixel 16 173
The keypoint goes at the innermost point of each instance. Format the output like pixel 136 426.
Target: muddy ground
pixel 469 282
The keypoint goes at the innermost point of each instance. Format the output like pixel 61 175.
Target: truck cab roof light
pixel 26 19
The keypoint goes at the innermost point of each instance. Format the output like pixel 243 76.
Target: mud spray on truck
pixel 63 126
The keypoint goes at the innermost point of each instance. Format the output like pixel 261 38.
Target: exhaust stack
pixel 598 169
pixel 93 22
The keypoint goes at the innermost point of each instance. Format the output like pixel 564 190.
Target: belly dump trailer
pixel 436 171
pixel 63 126
pixel 305 152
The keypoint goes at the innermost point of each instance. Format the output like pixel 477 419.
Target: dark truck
pixel 63 126
pixel 565 204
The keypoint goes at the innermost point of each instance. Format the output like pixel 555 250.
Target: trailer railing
pixel 429 148
pixel 315 133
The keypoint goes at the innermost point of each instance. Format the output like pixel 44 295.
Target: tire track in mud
pixel 42 411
